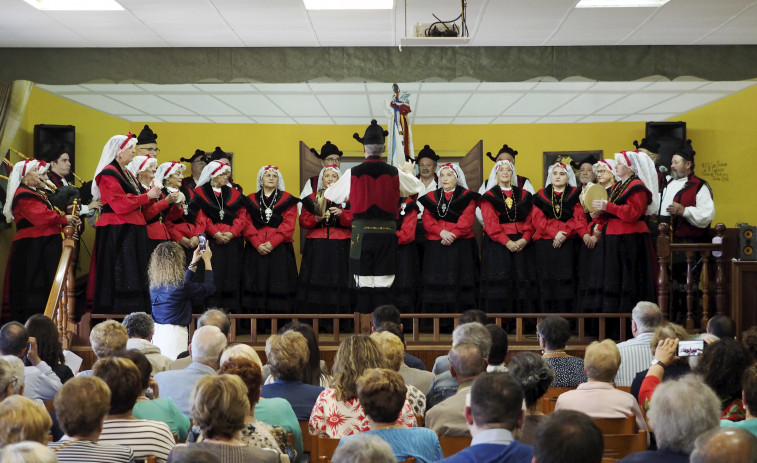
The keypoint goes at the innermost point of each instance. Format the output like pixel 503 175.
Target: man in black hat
pixel 374 189
pixel 147 143
pixel 585 170
pixel 197 162
pixel 60 169
pixel 427 160
pixel 329 156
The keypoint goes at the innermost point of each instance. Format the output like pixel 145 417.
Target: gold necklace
pixel 557 209
pixel 616 192
pixel 510 204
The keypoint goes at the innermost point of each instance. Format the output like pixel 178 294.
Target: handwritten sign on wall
pixel 714 171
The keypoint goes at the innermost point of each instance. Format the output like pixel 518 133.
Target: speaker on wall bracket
pixel 747 242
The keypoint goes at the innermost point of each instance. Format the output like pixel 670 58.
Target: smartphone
pixel 203 241
pixel 690 348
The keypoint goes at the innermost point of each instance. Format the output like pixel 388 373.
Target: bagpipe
pixel 61 197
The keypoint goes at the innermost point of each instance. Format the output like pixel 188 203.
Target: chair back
pixel 547 402
pixel 306 437
pixel 453 444
pixel 619 446
pixel 322 448
pixel 625 425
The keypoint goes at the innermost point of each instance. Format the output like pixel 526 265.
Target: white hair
pixel 207 344
pixel 473 333
pixel 17 369
pixel 240 351
pixel 647 316
pixel 364 448
pixel 374 150
pixel 27 452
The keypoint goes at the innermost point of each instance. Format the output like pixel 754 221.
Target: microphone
pixel 663 169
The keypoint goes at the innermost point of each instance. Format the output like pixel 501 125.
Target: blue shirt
pixel 493 446
pixel 414 362
pixel 172 305
pixel 443 387
pixel 300 396
pixel 177 385
pixel 419 443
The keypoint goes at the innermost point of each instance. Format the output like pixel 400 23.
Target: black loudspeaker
pixel 46 136
pixel 747 242
pixel 670 135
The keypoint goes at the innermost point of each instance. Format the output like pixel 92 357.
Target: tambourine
pixel 591 193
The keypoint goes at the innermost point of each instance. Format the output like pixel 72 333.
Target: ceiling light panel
pixel 349 4
pixel 75 5
pixel 621 3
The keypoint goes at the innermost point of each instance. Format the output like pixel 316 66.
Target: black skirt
pixel 120 265
pixel 555 275
pixel 406 279
pixel 450 276
pixel 324 282
pixel 269 283
pixel 508 280
pixel 228 260
pixel 30 273
pixel 620 276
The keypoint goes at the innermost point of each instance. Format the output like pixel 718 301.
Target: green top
pixel 163 409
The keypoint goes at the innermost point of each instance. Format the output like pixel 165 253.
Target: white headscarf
pixel 571 174
pixel 455 167
pixel 212 170
pixel 644 168
pixel 167 169
pixel 493 175
pixel 20 169
pixel 609 164
pixel 262 171
pixel 115 145
pixel 140 164
pixel 320 176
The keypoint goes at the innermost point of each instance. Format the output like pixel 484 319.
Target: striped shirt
pixel 145 437
pixel 635 356
pixel 71 450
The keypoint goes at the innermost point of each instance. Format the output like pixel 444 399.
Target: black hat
pixel 650 144
pixel 147 136
pixel 685 151
pixel 327 150
pixel 218 154
pixel 427 152
pixel 374 135
pixel 53 152
pixel 198 154
pixel 504 149
pixel 587 160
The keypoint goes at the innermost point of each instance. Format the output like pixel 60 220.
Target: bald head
pixel 208 343
pixel 725 444
pixel 467 361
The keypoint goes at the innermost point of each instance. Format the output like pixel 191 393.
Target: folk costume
pixel 145 141
pixel 407 277
pixel 36 247
pixel 118 273
pixel 324 282
pixel 190 183
pixel 62 186
pixel 450 272
pixel 420 232
pixel 374 189
pixel 518 180
pixel 552 213
pixel 179 218
pixel 220 155
pixel 269 281
pixel 222 210
pixel 311 185
pixel 621 274
pixel 508 280
pixel 156 210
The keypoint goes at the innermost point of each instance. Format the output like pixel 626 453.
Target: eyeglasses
pixel 152 150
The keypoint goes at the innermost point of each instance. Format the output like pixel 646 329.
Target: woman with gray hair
pixel 535 375
pixel 7 380
pixel 140 328
pixel 27 452
pixel 553 333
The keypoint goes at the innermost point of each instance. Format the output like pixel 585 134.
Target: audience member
pixel 553 333
pixel 316 373
pixel 535 375
pixel 493 412
pixel 219 407
pixel 680 410
pixel 675 367
pixel 8 380
pixel 196 455
pixel 749 339
pixel 81 406
pixel 49 347
pixel 413 376
pixel 27 452
pixel 40 380
pixel 145 437
pixel 441 364
pixel 140 327
pixel 634 353
pixel 721 326
pixel 287 356
pixel 23 420
pixel 207 344
pixel 722 367
pixel 107 338
pixel 447 419
pixel 154 407
pixel 749 397
pixel 364 448
pixel 211 317
pixel 384 314
pixel 597 397
pixel 392 348
pixel 498 351
pixel 722 445
pixel 568 436
pixel 337 412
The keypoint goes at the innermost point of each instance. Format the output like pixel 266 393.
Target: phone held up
pixel 203 241
pixel 690 348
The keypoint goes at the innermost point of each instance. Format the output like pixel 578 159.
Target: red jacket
pixel 280 227
pixel 121 199
pixel 155 217
pixel 497 225
pixel 180 224
pixel 626 214
pixel 235 217
pixel 34 215
pixel 459 218
pixel 341 229
pixel 572 220
pixel 407 222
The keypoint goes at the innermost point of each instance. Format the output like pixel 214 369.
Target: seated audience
pixel 382 392
pixel 211 317
pixel 207 345
pixel 634 353
pixel 441 364
pixel 493 414
pixel 447 418
pixel 145 437
pixel 140 327
pixel 153 407
pixel 364 448
pixel 535 375
pixel 27 452
pixel 219 407
pixel 675 368
pixel 8 380
pixel 49 347
pixel 81 406
pixel 421 379
pixel 392 348
pixel 40 380
pixel 287 356
pixel 498 352
pixel 553 333
pixel 749 339
pixel 568 436
pixel 749 397
pixel 721 445
pixel 316 373
pixel 107 338
pixel 337 412
pixel 597 397
pixel 23 420
pixel 680 410
pixel 388 313
pixel 721 326
pixel 722 366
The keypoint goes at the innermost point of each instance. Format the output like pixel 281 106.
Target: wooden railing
pixel 61 303
pixel 665 251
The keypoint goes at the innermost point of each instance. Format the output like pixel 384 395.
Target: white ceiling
pixel 538 101
pixel 286 23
